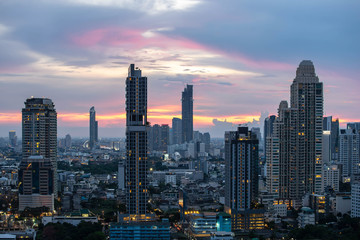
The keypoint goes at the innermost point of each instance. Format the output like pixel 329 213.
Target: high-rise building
pixel 93 128
pixel 187 114
pixel 326 147
pixel 207 140
pixel 12 138
pixel 39 132
pixel 176 131
pixel 36 183
pixel 299 129
pixel 331 177
pixel 335 129
pixel 349 152
pixel 241 181
pixel 164 137
pixel 68 142
pixel 136 143
pixel 268 129
pixel 355 199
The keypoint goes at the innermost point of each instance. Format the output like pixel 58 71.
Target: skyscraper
pixel 136 143
pixel 93 128
pixel 349 152
pixel 39 132
pixel 299 130
pixel 176 131
pixel 12 138
pixel 241 181
pixel 187 114
pixel 268 129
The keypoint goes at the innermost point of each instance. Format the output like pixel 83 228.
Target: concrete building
pixel 241 179
pixel 136 143
pixel 176 131
pixel 331 177
pixel 121 176
pixel 268 130
pixel 36 183
pixel 326 147
pixel 12 138
pixel 355 199
pixel 343 203
pixel 93 128
pixel 139 231
pixel 349 152
pixel 39 132
pixel 306 217
pixel 299 129
pixel 74 218
pixel 187 113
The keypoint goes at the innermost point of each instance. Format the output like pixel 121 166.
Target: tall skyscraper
pixel 176 131
pixel 268 129
pixel 93 128
pixel 68 142
pixel 136 143
pixel 187 114
pixel 36 183
pixel 39 132
pixel 241 181
pixel 12 138
pixel 299 129
pixel 349 152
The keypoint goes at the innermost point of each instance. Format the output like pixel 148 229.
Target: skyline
pixel 80 61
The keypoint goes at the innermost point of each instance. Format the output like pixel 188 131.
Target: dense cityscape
pixel 296 178
pixel 179 119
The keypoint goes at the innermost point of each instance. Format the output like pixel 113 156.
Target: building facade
pixel 39 131
pixel 349 152
pixel 93 128
pixel 136 143
pixel 299 128
pixel 187 114
pixel 176 131
pixel 36 183
pixel 241 181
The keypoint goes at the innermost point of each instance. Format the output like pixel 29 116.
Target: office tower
pixel 268 129
pixel 68 142
pixel 136 143
pixel 241 181
pixel 36 183
pixel 176 131
pixel 207 140
pixel 164 137
pixel 349 152
pixel 93 128
pixel 39 131
pixel 256 131
pixel 326 147
pixel 187 114
pixel 12 138
pixel 197 136
pixel 299 129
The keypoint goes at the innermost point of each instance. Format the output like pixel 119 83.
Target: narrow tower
pixel 136 143
pixel 187 113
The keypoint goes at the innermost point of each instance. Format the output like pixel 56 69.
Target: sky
pixel 241 56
